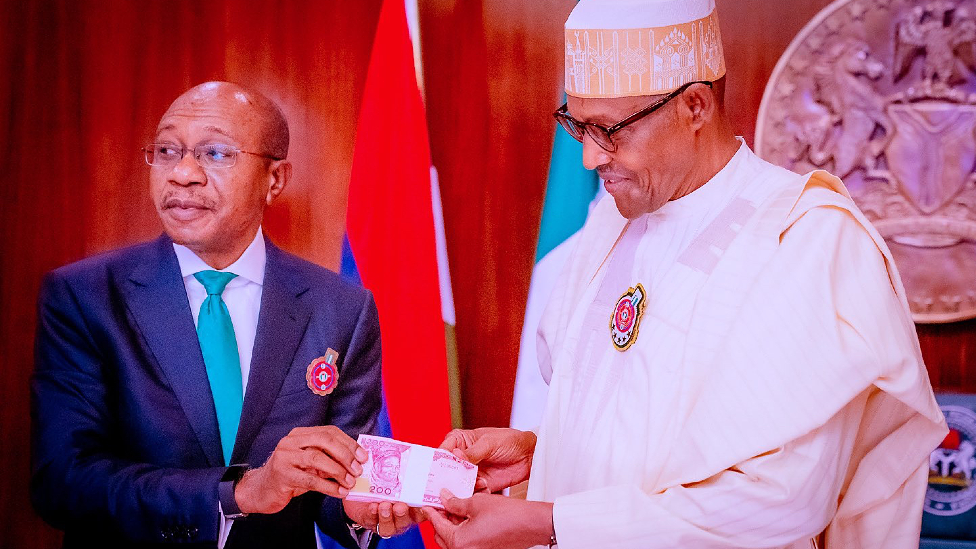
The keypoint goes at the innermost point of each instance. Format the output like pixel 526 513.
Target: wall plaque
pixel 882 93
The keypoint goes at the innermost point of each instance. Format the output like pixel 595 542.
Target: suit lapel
pixel 157 300
pixel 281 325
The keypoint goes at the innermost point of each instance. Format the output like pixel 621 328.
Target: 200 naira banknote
pixel 411 473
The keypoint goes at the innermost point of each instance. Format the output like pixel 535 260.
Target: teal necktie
pixel 219 346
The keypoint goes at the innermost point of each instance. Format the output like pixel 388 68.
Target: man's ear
pixel 279 176
pixel 698 106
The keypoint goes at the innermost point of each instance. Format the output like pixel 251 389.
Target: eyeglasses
pixel 208 155
pixel 603 135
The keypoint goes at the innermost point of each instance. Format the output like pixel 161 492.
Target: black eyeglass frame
pixel 566 121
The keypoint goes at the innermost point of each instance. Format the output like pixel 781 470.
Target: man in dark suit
pixel 163 369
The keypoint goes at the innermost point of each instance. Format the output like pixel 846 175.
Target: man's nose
pixel 593 154
pixel 188 171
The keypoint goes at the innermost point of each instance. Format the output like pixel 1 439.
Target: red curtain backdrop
pixel 85 81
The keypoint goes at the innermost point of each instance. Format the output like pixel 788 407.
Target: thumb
pixel 443 527
pixel 478 451
pixel 418 514
pixel 453 504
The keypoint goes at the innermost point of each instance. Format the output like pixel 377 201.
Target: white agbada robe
pixel 775 386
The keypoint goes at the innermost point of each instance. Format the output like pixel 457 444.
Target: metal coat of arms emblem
pixel 882 93
pixel 950 500
pixel 952 466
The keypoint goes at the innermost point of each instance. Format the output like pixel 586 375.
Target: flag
pixel 570 190
pixel 391 244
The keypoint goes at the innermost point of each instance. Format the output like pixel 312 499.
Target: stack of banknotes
pixel 411 473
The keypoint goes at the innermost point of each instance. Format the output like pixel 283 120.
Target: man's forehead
pixel 169 124
pixel 216 92
pixel 215 116
pixel 213 98
pixel 607 110
pixel 246 116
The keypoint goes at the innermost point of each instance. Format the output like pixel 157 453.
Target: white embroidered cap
pixel 620 48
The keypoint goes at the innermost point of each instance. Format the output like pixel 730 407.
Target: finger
pixel 457 438
pixel 326 467
pixel 481 484
pixel 454 505
pixel 455 520
pixel 386 527
pixel 372 518
pixel 443 527
pixel 401 516
pixel 460 453
pixel 478 451
pixel 450 441
pixel 331 440
pixel 335 451
pixel 304 481
pixel 358 512
pixel 344 450
pixel 417 514
pixel 385 511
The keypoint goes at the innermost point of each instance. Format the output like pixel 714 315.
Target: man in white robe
pixel 730 354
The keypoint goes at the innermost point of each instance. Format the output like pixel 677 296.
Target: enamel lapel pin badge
pixel 626 317
pixel 322 375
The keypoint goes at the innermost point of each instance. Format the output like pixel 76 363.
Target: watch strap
pixel 225 491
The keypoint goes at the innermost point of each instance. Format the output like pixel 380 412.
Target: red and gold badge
pixel 626 317
pixel 322 375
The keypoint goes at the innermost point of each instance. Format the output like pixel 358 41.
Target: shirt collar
pixel 249 266
pixel 719 183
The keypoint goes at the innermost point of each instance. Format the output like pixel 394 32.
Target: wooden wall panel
pixel 950 355
pixel 492 73
pixel 86 84
pixel 755 34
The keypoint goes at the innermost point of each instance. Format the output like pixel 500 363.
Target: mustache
pixel 180 200
pixel 613 173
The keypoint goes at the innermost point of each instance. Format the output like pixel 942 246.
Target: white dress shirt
pixel 243 299
pixel 242 294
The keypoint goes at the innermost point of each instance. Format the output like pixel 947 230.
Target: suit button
pixel 193 532
pixel 166 534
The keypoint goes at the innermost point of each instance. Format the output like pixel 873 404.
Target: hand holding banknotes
pixel 397 471
pixel 503 455
pixel 398 478
pixel 489 521
pixel 385 518
pixel 320 459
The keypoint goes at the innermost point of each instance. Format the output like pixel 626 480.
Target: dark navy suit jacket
pixel 125 445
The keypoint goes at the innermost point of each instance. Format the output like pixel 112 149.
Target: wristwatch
pixel 359 532
pixel 225 490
